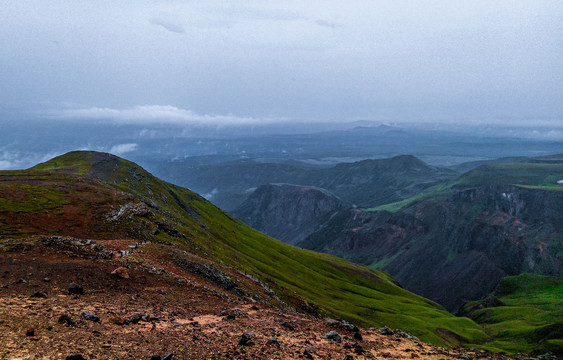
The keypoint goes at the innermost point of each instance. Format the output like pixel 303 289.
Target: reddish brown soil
pixel 189 313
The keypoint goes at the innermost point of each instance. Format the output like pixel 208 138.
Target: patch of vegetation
pixel 32 199
pixel 432 193
pixel 532 319
pixel 539 175
pixel 531 175
pixel 396 206
pixel 76 162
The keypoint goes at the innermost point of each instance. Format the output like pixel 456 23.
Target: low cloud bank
pixel 165 114
pixel 123 148
pixel 17 160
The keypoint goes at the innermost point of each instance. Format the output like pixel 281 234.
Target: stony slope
pixel 96 195
pixel 165 300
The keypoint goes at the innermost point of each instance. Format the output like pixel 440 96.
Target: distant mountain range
pixel 364 183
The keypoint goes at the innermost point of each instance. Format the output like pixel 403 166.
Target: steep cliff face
pixel 288 212
pixel 454 247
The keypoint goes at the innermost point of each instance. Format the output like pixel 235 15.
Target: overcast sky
pixel 255 61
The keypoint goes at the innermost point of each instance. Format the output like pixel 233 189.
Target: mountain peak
pixel 80 162
pixel 409 160
pixel 106 167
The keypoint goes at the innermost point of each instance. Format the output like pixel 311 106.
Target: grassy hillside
pixel 536 173
pixel 99 195
pixel 531 319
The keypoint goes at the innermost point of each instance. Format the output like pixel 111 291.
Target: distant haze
pixel 252 62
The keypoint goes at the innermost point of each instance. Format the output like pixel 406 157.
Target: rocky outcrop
pixel 457 246
pixel 288 212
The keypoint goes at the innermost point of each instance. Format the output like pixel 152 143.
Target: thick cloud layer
pixel 434 60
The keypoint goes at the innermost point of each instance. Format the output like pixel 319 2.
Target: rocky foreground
pixel 65 298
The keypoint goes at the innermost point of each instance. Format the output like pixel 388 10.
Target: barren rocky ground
pixel 152 307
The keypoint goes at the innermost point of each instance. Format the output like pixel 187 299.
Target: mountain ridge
pixel 365 183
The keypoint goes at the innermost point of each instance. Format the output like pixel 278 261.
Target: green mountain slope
pixel 98 195
pixel 523 314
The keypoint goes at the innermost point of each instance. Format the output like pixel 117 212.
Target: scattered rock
pixel 288 326
pixel 350 327
pixel 309 351
pixel 406 335
pixel 138 317
pixel 273 342
pixel 65 319
pixel 91 317
pixel 342 324
pixel 237 312
pixel 358 336
pixel 75 357
pixel 74 288
pixel 334 336
pixel 246 339
pixel 38 295
pixel 211 273
pixel 349 357
pixel 156 357
pixel 148 318
pixel 121 272
pixel 47 279
pixel 332 322
pixel 358 349
pixel 387 331
pixel 232 314
pixel 414 356
pixel 30 332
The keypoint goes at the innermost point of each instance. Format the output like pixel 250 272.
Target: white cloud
pixel 6 165
pixel 157 114
pixel 123 148
pixel 13 160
